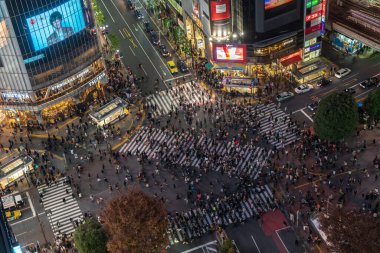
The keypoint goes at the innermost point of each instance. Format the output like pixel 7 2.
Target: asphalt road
pixel 135 46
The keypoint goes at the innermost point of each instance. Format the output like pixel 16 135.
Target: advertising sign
pixel 312 29
pixel 270 4
pixel 56 24
pixel 229 53
pixel 312 16
pixel 220 10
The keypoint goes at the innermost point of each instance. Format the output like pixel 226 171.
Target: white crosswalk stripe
pixel 237 208
pixel 274 123
pixel 61 215
pixel 163 102
pixel 188 150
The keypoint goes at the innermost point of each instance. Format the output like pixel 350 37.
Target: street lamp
pixel 234 35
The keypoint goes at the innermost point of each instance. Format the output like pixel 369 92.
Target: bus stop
pixel 15 169
pixel 110 112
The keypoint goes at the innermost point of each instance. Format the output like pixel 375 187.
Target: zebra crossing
pixel 207 247
pixel 274 123
pixel 186 149
pixel 237 208
pixel 190 93
pixel 61 214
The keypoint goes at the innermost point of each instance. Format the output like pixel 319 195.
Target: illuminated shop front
pixel 14 170
pixel 195 34
pixel 310 72
pixel 110 112
pixel 345 43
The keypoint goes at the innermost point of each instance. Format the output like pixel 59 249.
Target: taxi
pixel 172 67
pixel 13 215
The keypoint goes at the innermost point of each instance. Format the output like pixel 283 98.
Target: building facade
pixel 49 58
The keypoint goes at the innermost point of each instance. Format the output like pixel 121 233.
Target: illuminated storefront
pixel 110 113
pixel 14 170
pixel 345 43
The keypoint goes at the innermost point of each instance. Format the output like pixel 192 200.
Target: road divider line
pixel 282 242
pixel 175 78
pixel 363 93
pixel 144 70
pixel 306 115
pixel 199 247
pixel 328 92
pixel 136 38
pixel 122 35
pixel 350 82
pixel 132 51
pixel 109 13
pixel 257 247
pixel 31 204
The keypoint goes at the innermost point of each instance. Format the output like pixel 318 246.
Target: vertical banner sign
pixel 323 12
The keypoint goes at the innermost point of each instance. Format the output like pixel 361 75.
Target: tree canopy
pixel 90 237
pixel 372 105
pixel 135 223
pixel 352 231
pixel 336 117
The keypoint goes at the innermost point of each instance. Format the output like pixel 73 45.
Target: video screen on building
pixel 56 24
pixel 233 53
pixel 270 4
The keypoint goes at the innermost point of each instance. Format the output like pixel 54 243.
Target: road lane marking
pixel 144 70
pixel 253 239
pixel 306 115
pixel 175 78
pixel 134 26
pixel 21 221
pixel 121 15
pixel 283 244
pixel 133 52
pixel 113 20
pixel 122 35
pixel 328 92
pixel 363 93
pixel 198 247
pixel 350 82
pixel 31 204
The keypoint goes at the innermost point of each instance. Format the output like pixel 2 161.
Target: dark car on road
pixel 324 82
pixel 138 14
pixel 164 52
pixel 154 38
pixel 373 81
pixel 148 26
pixel 182 66
pixel 130 4
pixel 313 107
pixel 350 90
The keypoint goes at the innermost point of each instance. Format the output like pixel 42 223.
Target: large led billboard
pixel 56 24
pixel 270 4
pixel 220 10
pixel 229 53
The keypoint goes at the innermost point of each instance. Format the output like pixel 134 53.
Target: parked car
pixel 130 5
pixel 172 67
pixel 373 81
pixel 350 90
pixel 283 96
pixel 313 106
pixel 324 82
pixel 154 38
pixel 302 89
pixel 164 52
pixel 148 26
pixel 342 72
pixel 182 66
pixel 138 14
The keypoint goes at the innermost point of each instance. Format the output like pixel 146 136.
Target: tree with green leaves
pixel 99 16
pixel 114 40
pixel 372 105
pixel 90 237
pixel 336 117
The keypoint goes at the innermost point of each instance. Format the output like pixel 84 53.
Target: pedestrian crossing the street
pixel 274 123
pixel 234 209
pixel 61 207
pixel 186 149
pixel 175 98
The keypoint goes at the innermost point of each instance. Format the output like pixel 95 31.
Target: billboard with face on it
pixel 270 4
pixel 230 53
pixel 56 24
pixel 220 10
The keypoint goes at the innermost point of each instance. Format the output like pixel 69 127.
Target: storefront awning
pixel 292 60
pixel 209 66
pixel 229 66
